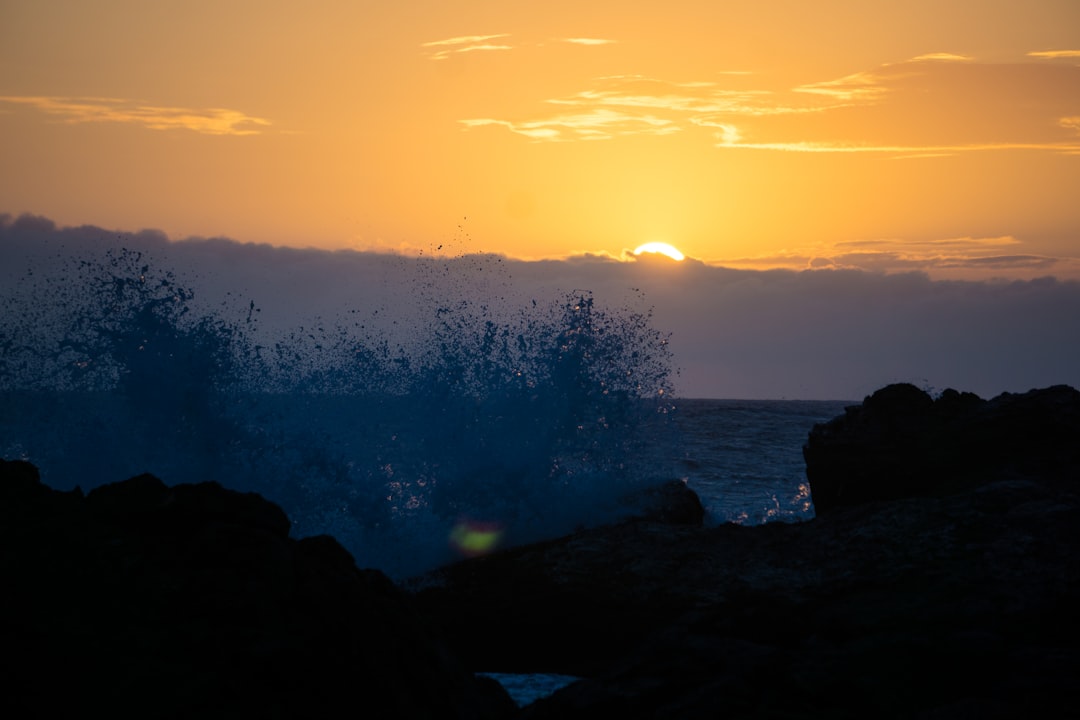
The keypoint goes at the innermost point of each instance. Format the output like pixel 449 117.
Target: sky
pixel 896 147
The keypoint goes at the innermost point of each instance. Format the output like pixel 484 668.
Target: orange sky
pixel 937 135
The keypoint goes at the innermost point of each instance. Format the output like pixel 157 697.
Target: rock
pixel 569 606
pixel 192 601
pixel 938 581
pixel 671 502
pixel 901 443
pixel 22 483
pixel 952 602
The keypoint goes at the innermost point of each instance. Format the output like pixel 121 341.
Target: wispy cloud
pixel 635 104
pixel 588 41
pixel 943 57
pixel 861 87
pixel 465 44
pixel 208 121
pixel 443 49
pixel 637 91
pixel 945 258
pixel 464 40
pixel 1055 54
pixel 932 105
pixel 598 124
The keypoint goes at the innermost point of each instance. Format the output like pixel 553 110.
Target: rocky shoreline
pixel 140 600
pixel 938 580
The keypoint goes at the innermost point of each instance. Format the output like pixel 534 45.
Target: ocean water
pixel 744 457
pixel 448 419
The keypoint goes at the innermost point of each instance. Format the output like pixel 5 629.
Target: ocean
pixel 744 457
pixel 452 419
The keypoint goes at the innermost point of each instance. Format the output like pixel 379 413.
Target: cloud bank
pixel 824 334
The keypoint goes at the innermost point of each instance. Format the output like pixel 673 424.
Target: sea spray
pixel 446 418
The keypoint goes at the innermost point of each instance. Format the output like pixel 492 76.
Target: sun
pixel 659 248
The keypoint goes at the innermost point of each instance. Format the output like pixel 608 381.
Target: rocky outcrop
pixel 949 591
pixel 142 600
pixel 900 443
pixel 955 600
pixel 671 502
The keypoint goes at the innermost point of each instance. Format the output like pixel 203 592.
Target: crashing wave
pixel 453 405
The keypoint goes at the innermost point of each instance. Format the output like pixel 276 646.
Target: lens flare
pixel 472 538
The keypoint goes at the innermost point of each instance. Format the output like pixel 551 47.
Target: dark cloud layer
pixel 836 334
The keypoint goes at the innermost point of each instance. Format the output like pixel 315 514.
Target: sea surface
pixel 744 457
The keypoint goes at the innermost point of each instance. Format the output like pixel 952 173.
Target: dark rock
pixel 143 600
pixel 901 443
pixel 947 604
pixel 21 482
pixel 671 502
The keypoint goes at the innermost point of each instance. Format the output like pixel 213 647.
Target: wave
pixel 447 419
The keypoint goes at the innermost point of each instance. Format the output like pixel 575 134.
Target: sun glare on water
pixel 659 248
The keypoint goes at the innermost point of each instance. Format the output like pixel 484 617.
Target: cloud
pixel 599 124
pixel 728 134
pixel 464 40
pixel 942 57
pixel 630 105
pixel 642 92
pixel 443 49
pixel 861 87
pixel 933 105
pixel 588 41
pixel 1055 54
pixel 207 121
pixel 464 44
pixel 947 258
pixel 834 332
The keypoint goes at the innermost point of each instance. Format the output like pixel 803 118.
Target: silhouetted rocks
pixel 671 502
pixel 899 442
pixel 951 599
pixel 940 580
pixel 142 600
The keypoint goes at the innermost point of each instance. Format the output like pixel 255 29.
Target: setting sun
pixel 659 248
